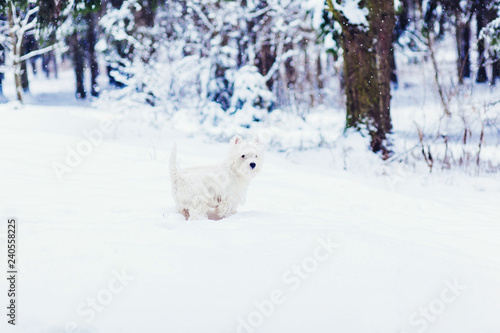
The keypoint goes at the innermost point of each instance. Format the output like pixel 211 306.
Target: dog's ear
pixel 236 140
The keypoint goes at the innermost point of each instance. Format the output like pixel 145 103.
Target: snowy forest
pixel 244 63
pixel 376 207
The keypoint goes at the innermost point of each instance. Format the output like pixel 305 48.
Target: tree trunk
pixel 25 83
pixel 48 59
pixel 265 60
pixel 290 72
pixel 462 36
pixel 394 70
pixel 481 72
pixel 359 68
pixel 28 45
pixel 2 63
pixel 92 57
pixel 367 74
pixel 495 68
pixel 319 74
pixel 266 55
pixel 77 54
pixel 382 21
pixel 16 54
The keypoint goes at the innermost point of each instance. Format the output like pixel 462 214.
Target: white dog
pixel 216 191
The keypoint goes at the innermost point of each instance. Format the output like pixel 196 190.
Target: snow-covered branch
pixel 279 60
pixel 202 16
pixel 38 52
pixel 352 12
pixel 491 34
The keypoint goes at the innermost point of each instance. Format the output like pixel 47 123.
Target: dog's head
pixel 246 156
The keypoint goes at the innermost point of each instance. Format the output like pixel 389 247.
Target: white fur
pixel 216 191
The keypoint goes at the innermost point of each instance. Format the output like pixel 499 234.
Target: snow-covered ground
pixel 323 244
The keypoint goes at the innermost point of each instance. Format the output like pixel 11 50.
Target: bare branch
pixel 38 52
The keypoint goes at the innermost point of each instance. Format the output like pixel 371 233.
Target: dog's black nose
pixel 252 165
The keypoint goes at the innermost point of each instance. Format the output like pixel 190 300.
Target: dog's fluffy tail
pixel 173 162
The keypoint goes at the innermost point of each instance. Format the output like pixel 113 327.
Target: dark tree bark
pixel 367 74
pixel 2 62
pixel 382 21
pixel 48 59
pixel 290 72
pixel 319 73
pixel 91 19
pixel 29 44
pixel 359 68
pixel 394 70
pixel 265 60
pixel 495 68
pixel 463 35
pixel 481 22
pixel 266 55
pixel 77 53
pixel 25 83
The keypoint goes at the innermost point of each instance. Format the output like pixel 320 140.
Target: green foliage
pixel 83 7
pixel 330 27
pixel 50 11
pixel 4 5
pixel 491 34
pixel 327 28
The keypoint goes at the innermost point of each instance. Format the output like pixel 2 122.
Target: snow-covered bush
pixel 222 74
pixel 251 95
pixel 125 44
pixel 269 43
pixel 491 34
pixel 4 43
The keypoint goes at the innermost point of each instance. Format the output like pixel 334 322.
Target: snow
pixel 352 12
pixel 490 34
pixel 103 250
pixel 316 7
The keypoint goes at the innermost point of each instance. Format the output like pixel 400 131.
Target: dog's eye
pixel 242 156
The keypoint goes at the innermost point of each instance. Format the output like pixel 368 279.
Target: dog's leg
pixel 196 214
pixel 185 212
pixel 225 209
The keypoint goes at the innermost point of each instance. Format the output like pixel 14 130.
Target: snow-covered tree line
pixel 253 55
pixel 250 57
